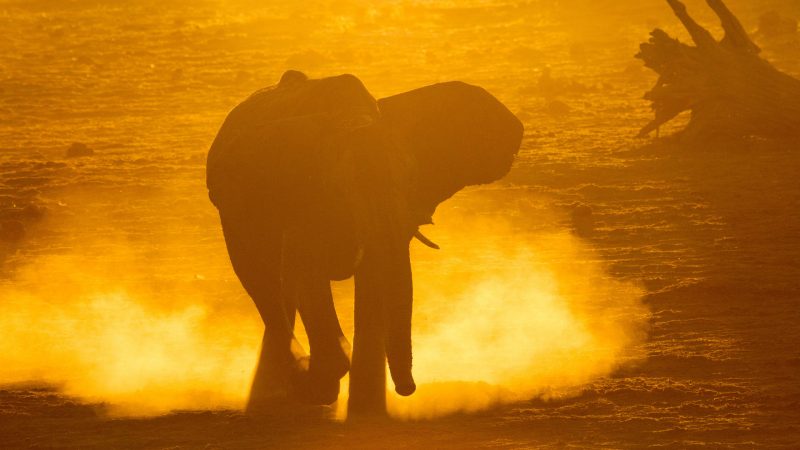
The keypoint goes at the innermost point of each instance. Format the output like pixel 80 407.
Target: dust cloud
pixel 504 315
pixel 99 337
pixel 514 306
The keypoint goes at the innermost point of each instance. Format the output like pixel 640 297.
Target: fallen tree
pixel 726 85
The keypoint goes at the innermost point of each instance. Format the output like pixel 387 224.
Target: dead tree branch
pixel 725 84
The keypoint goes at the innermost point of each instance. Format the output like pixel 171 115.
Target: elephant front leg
pixel 368 369
pixel 383 301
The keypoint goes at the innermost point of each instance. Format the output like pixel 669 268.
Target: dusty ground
pixel 711 230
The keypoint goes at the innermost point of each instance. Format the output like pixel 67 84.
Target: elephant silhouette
pixel 315 180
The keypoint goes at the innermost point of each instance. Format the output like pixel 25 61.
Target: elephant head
pixel 458 134
pixel 358 177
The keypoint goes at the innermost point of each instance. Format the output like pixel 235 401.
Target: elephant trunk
pixel 398 307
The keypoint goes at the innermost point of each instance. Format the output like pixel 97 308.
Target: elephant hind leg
pixel 304 274
pixel 254 246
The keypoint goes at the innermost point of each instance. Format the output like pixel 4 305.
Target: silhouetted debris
pixel 773 26
pixel 28 212
pixel 556 108
pixel 725 84
pixel 12 230
pixel 33 212
pixel 582 219
pixel 78 149
pixel 549 86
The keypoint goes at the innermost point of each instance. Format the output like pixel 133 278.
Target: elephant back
pixel 278 145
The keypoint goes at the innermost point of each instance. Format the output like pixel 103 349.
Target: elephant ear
pixel 459 135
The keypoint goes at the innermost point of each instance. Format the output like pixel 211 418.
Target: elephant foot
pixel 316 389
pixel 272 387
pixel 292 410
pixel 267 404
pixel 320 384
pixel 293 413
pixel 333 361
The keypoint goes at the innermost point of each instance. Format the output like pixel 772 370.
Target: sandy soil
pixel 710 230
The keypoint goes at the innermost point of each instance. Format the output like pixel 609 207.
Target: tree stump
pixel 729 89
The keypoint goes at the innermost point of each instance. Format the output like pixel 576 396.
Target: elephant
pixel 315 180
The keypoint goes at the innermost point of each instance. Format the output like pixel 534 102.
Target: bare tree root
pixel 726 85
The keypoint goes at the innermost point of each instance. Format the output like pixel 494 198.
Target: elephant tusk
pixel 421 237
